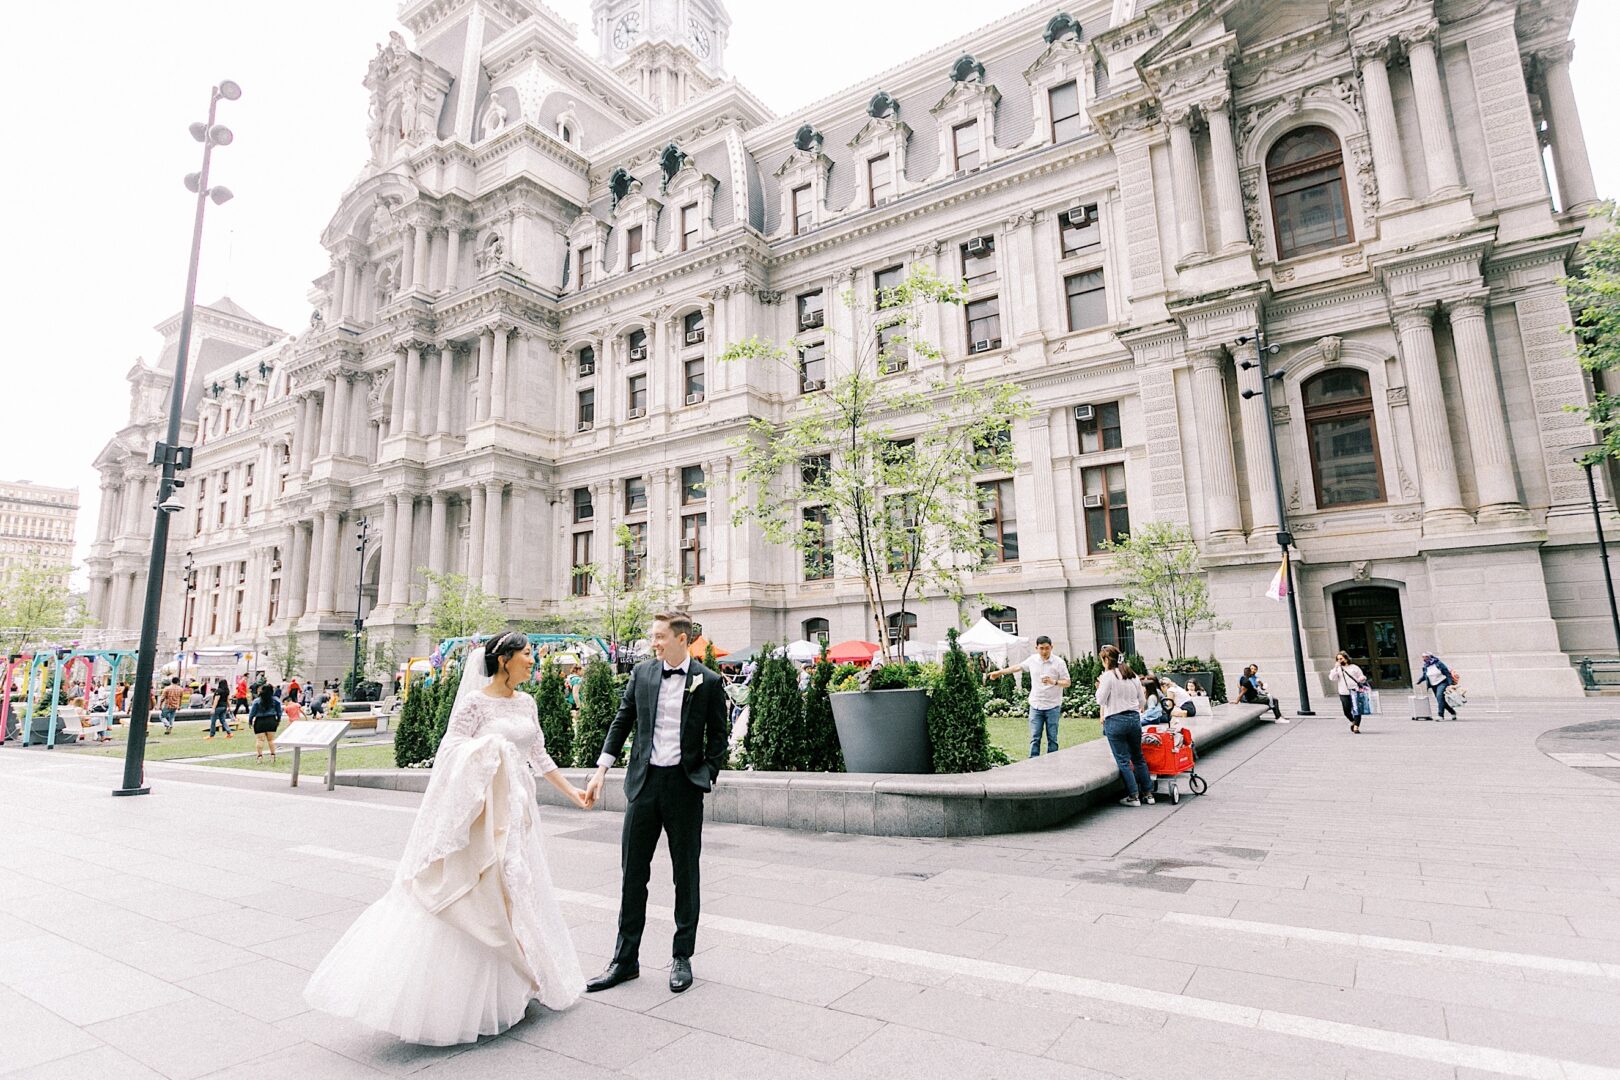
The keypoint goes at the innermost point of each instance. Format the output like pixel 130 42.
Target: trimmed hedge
pixel 599 704
pixel 956 727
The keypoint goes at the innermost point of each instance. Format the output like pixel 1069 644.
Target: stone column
pixel 475 533
pixel 339 296
pixel 1257 451
pixel 351 288
pixel 486 351
pixel 493 555
pixel 1576 189
pixel 315 559
pixel 404 563
pixel 1228 188
pixel 407 269
pixel 1223 517
pixel 498 381
pixel 1494 481
pixel 438 537
pixel 1388 158
pixel 413 388
pixel 447 368
pixel 516 581
pixel 385 566
pixel 419 274
pixel 342 414
pixel 331 541
pixel 1184 169
pixel 396 404
pixel 452 258
pixel 296 578
pixel 329 417
pixel 1439 155
pixel 1437 463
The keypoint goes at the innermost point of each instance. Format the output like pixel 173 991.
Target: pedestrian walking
pixel 169 702
pixel 1120 699
pixel 1048 677
pixel 1252 691
pixel 1349 680
pixel 265 716
pixel 1434 674
pixel 239 704
pixel 220 719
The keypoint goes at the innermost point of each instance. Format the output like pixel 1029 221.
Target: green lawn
pixel 375 756
pixel 188 741
pixel 1011 733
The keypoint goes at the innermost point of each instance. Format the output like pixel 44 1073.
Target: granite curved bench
pixel 1014 798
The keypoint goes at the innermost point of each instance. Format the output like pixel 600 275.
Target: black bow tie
pixel 673 671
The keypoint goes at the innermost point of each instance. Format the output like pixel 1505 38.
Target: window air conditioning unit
pixel 637 414
pixel 639 353
pixel 586 425
pixel 686 545
pixel 1078 215
pixel 812 319
pixel 894 633
pixel 979 247
pixel 693 399
pixel 693 337
pixel 1084 413
pixel 1093 502
pixel 891 367
pixel 812 385
pixel 587 369
pixel 981 346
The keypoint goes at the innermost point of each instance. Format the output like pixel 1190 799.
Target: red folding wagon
pixel 1169 755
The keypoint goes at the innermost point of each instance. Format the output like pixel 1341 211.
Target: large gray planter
pixel 883 731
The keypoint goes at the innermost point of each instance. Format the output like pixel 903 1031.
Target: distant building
pixel 36 526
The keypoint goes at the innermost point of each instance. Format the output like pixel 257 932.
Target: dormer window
pixel 879 180
pixel 965 146
pixel 632 248
pixel 689 226
pixel 583 266
pixel 1067 120
pixel 804 209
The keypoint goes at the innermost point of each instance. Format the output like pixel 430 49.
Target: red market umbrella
pixel 852 652
pixel 700 643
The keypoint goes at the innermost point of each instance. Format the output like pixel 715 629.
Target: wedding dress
pixel 470 932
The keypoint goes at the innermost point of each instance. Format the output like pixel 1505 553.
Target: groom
pixel 678 710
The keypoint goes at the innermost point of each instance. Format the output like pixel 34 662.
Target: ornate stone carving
pixel 1361 156
pixel 1279 414
pixel 1250 181
pixel 1361 571
pixel 492 256
pixel 1331 348
pixel 1396 395
pixel 494 116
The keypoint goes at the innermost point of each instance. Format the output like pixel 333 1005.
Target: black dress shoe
pixel 680 974
pixel 614 974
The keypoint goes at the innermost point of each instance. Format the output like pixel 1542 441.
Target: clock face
pixel 700 37
pixel 625 29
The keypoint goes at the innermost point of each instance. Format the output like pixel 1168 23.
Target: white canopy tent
pixel 986 637
pixel 801 652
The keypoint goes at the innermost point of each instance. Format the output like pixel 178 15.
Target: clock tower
pixel 669 51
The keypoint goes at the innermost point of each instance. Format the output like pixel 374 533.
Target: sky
pixel 99 209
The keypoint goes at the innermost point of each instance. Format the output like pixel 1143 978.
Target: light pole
pixel 359 603
pixel 169 454
pixel 1587 458
pixel 188 574
pixel 1285 539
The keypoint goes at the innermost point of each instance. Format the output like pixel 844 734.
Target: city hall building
pixel 514 349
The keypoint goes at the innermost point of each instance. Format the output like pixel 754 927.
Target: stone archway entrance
pixel 1369 628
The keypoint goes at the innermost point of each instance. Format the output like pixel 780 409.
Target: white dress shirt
pixel 666 740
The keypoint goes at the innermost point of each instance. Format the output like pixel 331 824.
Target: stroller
pixel 1169 755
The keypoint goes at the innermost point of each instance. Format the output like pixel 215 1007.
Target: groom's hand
pixel 593 789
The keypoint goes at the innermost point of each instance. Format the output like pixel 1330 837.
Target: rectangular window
pixel 692 485
pixel 580 580
pixel 632 248
pixel 586 409
pixel 694 381
pixel 998 521
pixel 815 470
pixel 689 226
pixel 587 362
pixel 813 367
pixel 635 554
pixel 979 260
pixel 803 209
pixel 583 510
pixel 236 611
pixel 220 517
pixel 818 560
pixel 583 276
pixel 884 282
pixel 275 600
pixel 812 309
pixel 965 145
pixel 1088 300
pixel 892 351
pixel 1079 229
pixel 635 495
pixel 880 179
pixel 1067 122
pixel 692 328
pixel 694 529
pixel 1107 517
pixel 984 324
pixel 247 475
pixel 903 535
pixel 247 506
pixel 637 401
pixel 637 342
pixel 1101 431
pixel 993 450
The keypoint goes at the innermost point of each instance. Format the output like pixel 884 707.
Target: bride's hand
pixel 582 799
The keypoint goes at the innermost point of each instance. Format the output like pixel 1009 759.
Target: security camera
pixel 171 505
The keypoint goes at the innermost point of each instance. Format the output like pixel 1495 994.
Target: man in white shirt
pixel 1048 676
pixel 679 711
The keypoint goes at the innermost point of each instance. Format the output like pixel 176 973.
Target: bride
pixel 470 932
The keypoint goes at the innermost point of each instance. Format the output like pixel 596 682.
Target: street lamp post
pixel 1587 458
pixel 188 574
pixel 1285 539
pixel 169 455
pixel 359 604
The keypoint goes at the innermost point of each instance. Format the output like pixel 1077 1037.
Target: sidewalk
pixel 1420 901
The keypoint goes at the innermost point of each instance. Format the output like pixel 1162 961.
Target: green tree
pixel 413 736
pixel 599 704
pixel 822 750
pixel 624 595
pixel 890 460
pixel 956 726
pixel 444 703
pixel 556 718
pixel 287 654
pixel 709 659
pixel 775 740
pixel 33 597
pixel 1593 291
pixel 1161 586
pixel 456 608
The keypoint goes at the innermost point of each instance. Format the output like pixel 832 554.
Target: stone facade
pixel 533 276
pixel 36 526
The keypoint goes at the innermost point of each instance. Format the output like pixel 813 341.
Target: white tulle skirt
pixel 497 942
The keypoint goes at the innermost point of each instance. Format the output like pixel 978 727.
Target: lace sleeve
pixel 539 760
pixel 463 725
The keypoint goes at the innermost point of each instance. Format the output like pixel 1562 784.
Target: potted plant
pixel 874 475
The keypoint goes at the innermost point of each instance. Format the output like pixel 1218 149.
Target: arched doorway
pixel 1368 621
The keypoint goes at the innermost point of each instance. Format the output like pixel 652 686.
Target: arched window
pixel 817 630
pixel 1112 627
pixel 1343 434
pixel 1309 199
pixel 1003 618
pixel 901 624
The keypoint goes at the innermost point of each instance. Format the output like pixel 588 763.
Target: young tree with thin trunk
pixel 1162 588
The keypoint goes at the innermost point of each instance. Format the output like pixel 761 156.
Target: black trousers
pixel 671 804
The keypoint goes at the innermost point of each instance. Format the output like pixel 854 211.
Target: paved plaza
pixel 1421 901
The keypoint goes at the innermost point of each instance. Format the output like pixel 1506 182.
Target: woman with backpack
pixel 1349 680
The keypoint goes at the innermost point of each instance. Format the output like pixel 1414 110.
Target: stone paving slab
pixel 1328 910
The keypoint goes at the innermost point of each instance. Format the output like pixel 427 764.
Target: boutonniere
pixel 697 681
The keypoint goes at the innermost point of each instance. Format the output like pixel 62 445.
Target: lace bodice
pixel 515 719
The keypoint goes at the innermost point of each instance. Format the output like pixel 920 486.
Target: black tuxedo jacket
pixel 705 727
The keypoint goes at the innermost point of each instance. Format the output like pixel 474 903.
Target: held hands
pixel 593 790
pixel 582 799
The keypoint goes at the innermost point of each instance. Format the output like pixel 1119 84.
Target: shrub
pixel 1080 701
pixel 776 736
pixel 900 676
pixel 1006 688
pixel 956 727
pixel 1087 669
pixel 444 701
pixel 822 750
pixel 556 718
pixel 709 660
pixel 411 738
pixel 1000 707
pixel 1216 688
pixel 1138 665
pixel 599 704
